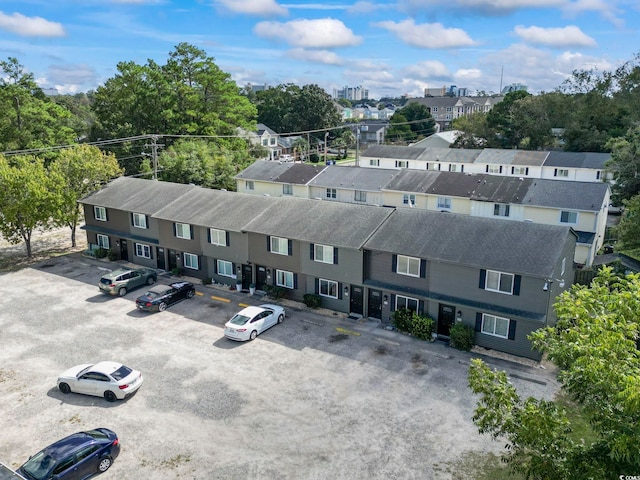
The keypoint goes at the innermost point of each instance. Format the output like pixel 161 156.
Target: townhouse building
pixel 444 109
pixel 496 276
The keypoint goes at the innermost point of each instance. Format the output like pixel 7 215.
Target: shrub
pixel 207 281
pixel 113 255
pixel 312 300
pixel 275 292
pixel 402 319
pixel 462 337
pixel 101 253
pixel 422 327
pixel 176 271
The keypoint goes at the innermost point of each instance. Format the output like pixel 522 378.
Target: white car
pixel 111 380
pixel 250 322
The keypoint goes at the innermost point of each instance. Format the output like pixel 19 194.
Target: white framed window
pixel 280 246
pixel 406 302
pixel 374 162
pixel 218 237
pixel 360 196
pixel 100 213
pixel 224 268
pixel 331 193
pixel 409 199
pixel 496 326
pixel 494 168
pixel 323 253
pixel 183 230
pixel 433 166
pixel 272 141
pixel 408 266
pixel 561 172
pixel 499 282
pixel 449 109
pixel 402 164
pixel 568 217
pixel 143 251
pixel 434 109
pixel 328 288
pixel 190 261
pixel 444 202
pixel 501 210
pixel 284 279
pixel 520 170
pixel 139 220
pixel 248 185
pixel 287 189
pixel 265 142
pixel 102 241
pixel 454 167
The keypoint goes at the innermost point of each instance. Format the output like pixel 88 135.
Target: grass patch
pixel 478 466
pixel 580 428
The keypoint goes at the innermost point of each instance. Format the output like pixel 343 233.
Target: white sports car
pixel 250 322
pixel 111 380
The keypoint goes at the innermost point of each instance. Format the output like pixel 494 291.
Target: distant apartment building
pixel 444 91
pixel 444 109
pixel 351 93
pixel 514 87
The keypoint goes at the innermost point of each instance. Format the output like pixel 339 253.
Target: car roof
pixel 68 444
pixel 250 311
pixel 105 367
pixel 160 288
pixel 180 284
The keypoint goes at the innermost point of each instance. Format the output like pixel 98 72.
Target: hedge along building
pixel 361 259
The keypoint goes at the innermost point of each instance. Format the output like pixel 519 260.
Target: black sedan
pixel 159 297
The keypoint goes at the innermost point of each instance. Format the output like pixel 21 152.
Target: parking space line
pixel 200 294
pixel 243 305
pixel 220 299
pixel 348 332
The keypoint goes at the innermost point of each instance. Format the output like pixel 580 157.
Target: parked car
pixel 78 456
pixel 250 322
pixel 159 297
pixel 120 281
pixel 111 380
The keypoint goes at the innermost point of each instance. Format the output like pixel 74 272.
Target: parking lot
pixel 316 397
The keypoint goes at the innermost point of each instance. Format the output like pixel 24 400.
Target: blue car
pixel 76 457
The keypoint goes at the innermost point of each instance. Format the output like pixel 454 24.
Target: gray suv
pixel 119 282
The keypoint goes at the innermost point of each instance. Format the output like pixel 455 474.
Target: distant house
pixel 265 137
pixel 445 109
pixel 438 140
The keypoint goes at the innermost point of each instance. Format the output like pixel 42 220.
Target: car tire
pixel 110 396
pixel 162 307
pixel 122 291
pixel 253 335
pixel 191 293
pixel 104 464
pixel 151 281
pixel 64 388
pixel 281 318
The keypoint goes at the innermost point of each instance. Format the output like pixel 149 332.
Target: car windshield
pixel 122 372
pixel 97 434
pixel 38 466
pixel 239 319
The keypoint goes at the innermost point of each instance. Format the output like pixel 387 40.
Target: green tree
pixel 82 117
pixel 83 169
pixel 31 198
pixel 628 230
pixel 399 130
pixel 474 131
pixel 595 345
pixel 504 118
pixel 625 165
pixel 419 119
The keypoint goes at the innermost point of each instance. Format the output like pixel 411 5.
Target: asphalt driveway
pixel 317 397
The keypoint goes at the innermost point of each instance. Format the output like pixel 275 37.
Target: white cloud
pixel 569 36
pixel 264 8
pixel 487 7
pixel 316 56
pixel 30 26
pixel 428 70
pixel 364 7
pixel 321 33
pixel 427 35
pixel 607 9
pixel 465 75
pixel 80 74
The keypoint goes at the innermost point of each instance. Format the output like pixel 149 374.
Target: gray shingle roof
pixel 407 180
pixel 394 151
pixel 495 188
pixel 570 195
pixel 369 179
pixel 577 159
pixel 264 170
pixel 300 173
pixel 478 242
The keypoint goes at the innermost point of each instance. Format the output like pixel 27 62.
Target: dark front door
pixel 446 318
pixel 374 304
pixel 160 256
pixel 124 250
pixel 173 260
pixel 247 276
pixel 261 277
pixel 355 304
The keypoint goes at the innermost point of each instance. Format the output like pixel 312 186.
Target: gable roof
pixel 369 179
pixel 264 170
pixel 497 156
pixel 300 173
pixel 479 242
pixel 394 151
pixel 587 196
pixel 577 159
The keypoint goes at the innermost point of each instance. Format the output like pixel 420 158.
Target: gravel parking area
pixel 318 397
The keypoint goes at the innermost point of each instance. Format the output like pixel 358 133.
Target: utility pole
pixel 326 135
pixel 154 154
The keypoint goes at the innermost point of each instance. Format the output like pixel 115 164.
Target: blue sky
pixel 390 48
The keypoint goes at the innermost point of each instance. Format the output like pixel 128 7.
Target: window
pixel 409 199
pixel 434 109
pixel 494 169
pixel 598 175
pixel 449 109
pixel 454 167
pixel 279 246
pixel 499 282
pixel 190 261
pixel 374 162
pixel 561 172
pixel 218 237
pixel 143 250
pixel 287 189
pixel 444 202
pixel 139 220
pixel 183 230
pixel 406 302
pixel 408 266
pixel 100 213
pixel 248 185
pixel 272 141
pixel 433 166
pixel 265 142
pixel 360 196
pixel 328 288
pixel 225 268
pixel 284 279
pixel 520 170
pixel 569 217
pixel 496 326
pixel 323 253
pixel 331 193
pixel 402 164
pixel 501 210
pixel 103 241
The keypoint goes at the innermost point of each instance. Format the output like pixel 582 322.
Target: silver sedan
pixel 111 380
